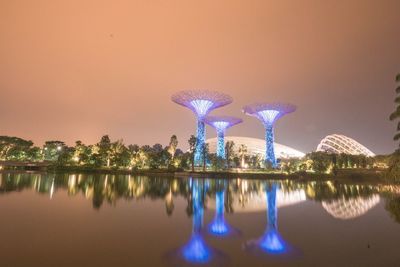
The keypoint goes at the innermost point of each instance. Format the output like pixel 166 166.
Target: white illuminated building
pixel 256 146
pixel 337 143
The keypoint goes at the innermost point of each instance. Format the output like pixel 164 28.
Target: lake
pixel 122 220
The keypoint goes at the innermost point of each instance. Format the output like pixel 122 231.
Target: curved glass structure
pixel 268 114
pixel 337 143
pixel 256 147
pixel 221 124
pixel 201 102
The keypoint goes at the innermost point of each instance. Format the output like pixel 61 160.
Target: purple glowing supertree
pixel 201 102
pixel 221 124
pixel 268 114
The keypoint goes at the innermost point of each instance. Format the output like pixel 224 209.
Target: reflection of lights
pixel 76 158
pixel 345 209
pixel 52 189
pixel 272 242
pixel 219 226
pixel 72 181
pixel 201 106
pixel 196 250
pixel 58 148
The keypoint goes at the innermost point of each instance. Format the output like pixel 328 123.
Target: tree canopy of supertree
pixel 201 102
pixel 221 124
pixel 268 114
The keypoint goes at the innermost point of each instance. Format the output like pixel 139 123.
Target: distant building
pixel 256 147
pixel 337 144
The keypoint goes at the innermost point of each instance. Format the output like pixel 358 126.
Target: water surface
pixel 122 220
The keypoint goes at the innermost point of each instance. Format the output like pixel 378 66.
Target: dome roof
pixel 256 146
pixel 337 143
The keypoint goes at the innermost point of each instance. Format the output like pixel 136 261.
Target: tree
pixel 105 150
pixel 173 144
pixel 321 161
pixel 192 146
pixel 14 148
pixel 53 149
pixel 242 151
pixel 82 153
pixel 396 114
pixel 120 156
pixel 229 152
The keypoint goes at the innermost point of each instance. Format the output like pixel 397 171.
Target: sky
pixel 78 69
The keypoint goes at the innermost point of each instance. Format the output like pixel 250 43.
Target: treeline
pixel 105 153
pixel 115 154
pixel 322 162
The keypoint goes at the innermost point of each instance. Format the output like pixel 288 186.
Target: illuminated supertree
pixel 221 124
pixel 268 114
pixel 201 102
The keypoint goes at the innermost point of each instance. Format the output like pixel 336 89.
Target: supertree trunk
pixel 198 154
pixel 221 144
pixel 269 142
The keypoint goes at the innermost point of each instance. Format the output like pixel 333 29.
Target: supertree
pixel 221 124
pixel 201 102
pixel 268 114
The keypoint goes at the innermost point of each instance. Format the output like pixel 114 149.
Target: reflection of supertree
pixel 268 114
pixel 271 241
pixel 221 124
pixel 196 250
pixel 201 102
pixel 218 225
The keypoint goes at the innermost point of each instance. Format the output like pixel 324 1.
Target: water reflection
pixel 196 250
pixel 271 241
pixel 342 201
pixel 219 226
pixel 346 209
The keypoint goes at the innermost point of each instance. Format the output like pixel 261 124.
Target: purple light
pixel 268 116
pixel 221 124
pixel 201 106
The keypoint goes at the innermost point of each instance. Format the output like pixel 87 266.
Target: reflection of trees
pixel 101 189
pixel 392 205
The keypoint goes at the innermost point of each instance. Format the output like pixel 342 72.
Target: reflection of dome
pixel 256 201
pixel 337 143
pixel 350 208
pixel 256 146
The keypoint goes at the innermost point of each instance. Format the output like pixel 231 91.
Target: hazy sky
pixel 79 69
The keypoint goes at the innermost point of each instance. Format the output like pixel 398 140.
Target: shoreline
pixel 345 175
